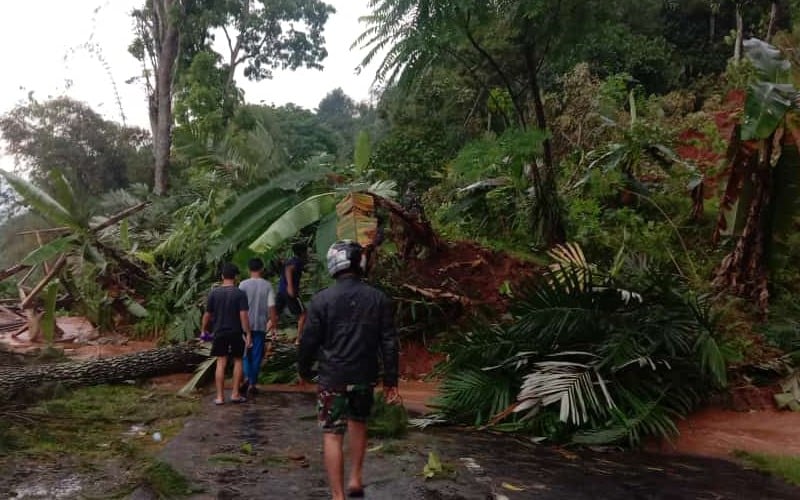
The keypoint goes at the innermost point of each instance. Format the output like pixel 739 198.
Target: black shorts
pixel 294 304
pixel 228 345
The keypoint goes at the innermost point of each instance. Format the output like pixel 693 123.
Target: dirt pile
pixel 465 273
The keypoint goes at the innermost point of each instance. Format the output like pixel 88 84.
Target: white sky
pixel 41 47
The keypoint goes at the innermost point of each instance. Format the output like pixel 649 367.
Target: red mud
pixel 466 270
pixel 717 433
pixel 416 361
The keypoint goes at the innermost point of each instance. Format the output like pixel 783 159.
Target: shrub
pixel 594 357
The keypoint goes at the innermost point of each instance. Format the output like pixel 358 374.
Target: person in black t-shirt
pixel 227 312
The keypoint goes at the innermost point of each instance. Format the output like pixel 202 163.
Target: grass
pixel 784 467
pixel 227 458
pixel 96 422
pixel 93 427
pixel 275 460
pixel 166 481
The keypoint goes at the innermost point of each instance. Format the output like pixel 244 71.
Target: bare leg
pixel 358 447
pixel 237 378
pixel 219 377
pixel 334 463
pixel 301 322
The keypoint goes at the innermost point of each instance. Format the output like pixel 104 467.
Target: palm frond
pixel 570 265
pixel 474 395
pixel 578 388
pixel 201 372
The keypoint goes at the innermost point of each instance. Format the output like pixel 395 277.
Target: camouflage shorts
pixel 337 405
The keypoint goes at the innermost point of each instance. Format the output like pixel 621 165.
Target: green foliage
pixel 387 420
pixel 770 97
pixel 40 201
pixel 94 422
pixel 784 467
pixel 615 356
pixel 486 191
pixel 614 48
pixel 362 152
pixel 301 134
pixel 93 154
pixel 205 100
pixel 165 481
pixel 305 213
pixel 281 367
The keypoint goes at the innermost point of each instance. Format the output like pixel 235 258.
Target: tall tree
pixel 157 46
pixel 508 41
pixel 257 36
pixel 94 154
pixel 339 112
pixel 171 33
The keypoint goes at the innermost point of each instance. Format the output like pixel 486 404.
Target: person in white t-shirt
pixel 263 317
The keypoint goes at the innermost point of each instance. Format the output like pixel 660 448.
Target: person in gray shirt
pixel 263 317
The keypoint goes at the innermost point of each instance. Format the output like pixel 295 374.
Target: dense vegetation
pixel 658 137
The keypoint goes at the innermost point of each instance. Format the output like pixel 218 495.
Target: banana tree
pixel 759 155
pixel 318 208
pixel 79 241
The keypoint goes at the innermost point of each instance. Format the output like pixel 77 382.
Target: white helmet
pixel 344 255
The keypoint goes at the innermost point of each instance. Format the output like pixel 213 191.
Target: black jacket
pixel 349 326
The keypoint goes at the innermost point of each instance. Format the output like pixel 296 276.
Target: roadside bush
pixel 591 356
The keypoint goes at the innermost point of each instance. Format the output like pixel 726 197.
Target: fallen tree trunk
pixel 159 361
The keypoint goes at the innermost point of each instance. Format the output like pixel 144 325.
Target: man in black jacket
pixel 349 326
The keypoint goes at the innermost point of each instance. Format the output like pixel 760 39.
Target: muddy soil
pixel 270 448
pixel 716 432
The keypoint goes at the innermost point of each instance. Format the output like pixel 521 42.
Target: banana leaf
pixel 39 201
pixel 326 236
pixel 49 251
pixel 768 61
pixel 766 106
pixel 248 218
pixel 303 214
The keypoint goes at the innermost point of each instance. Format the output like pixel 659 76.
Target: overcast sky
pixel 44 52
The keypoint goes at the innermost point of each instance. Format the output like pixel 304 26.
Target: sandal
pixel 355 493
pixel 219 402
pixel 240 399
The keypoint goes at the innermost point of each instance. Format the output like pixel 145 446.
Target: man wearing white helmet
pixel 349 327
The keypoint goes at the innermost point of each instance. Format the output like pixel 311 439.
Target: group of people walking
pixel 244 320
pixel 348 331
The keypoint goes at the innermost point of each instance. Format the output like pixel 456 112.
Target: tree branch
pixel 62 260
pixel 119 216
pixel 228 38
pixel 11 271
pixel 493 63
pixel 484 87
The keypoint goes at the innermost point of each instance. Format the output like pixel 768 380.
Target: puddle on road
pixel 68 487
